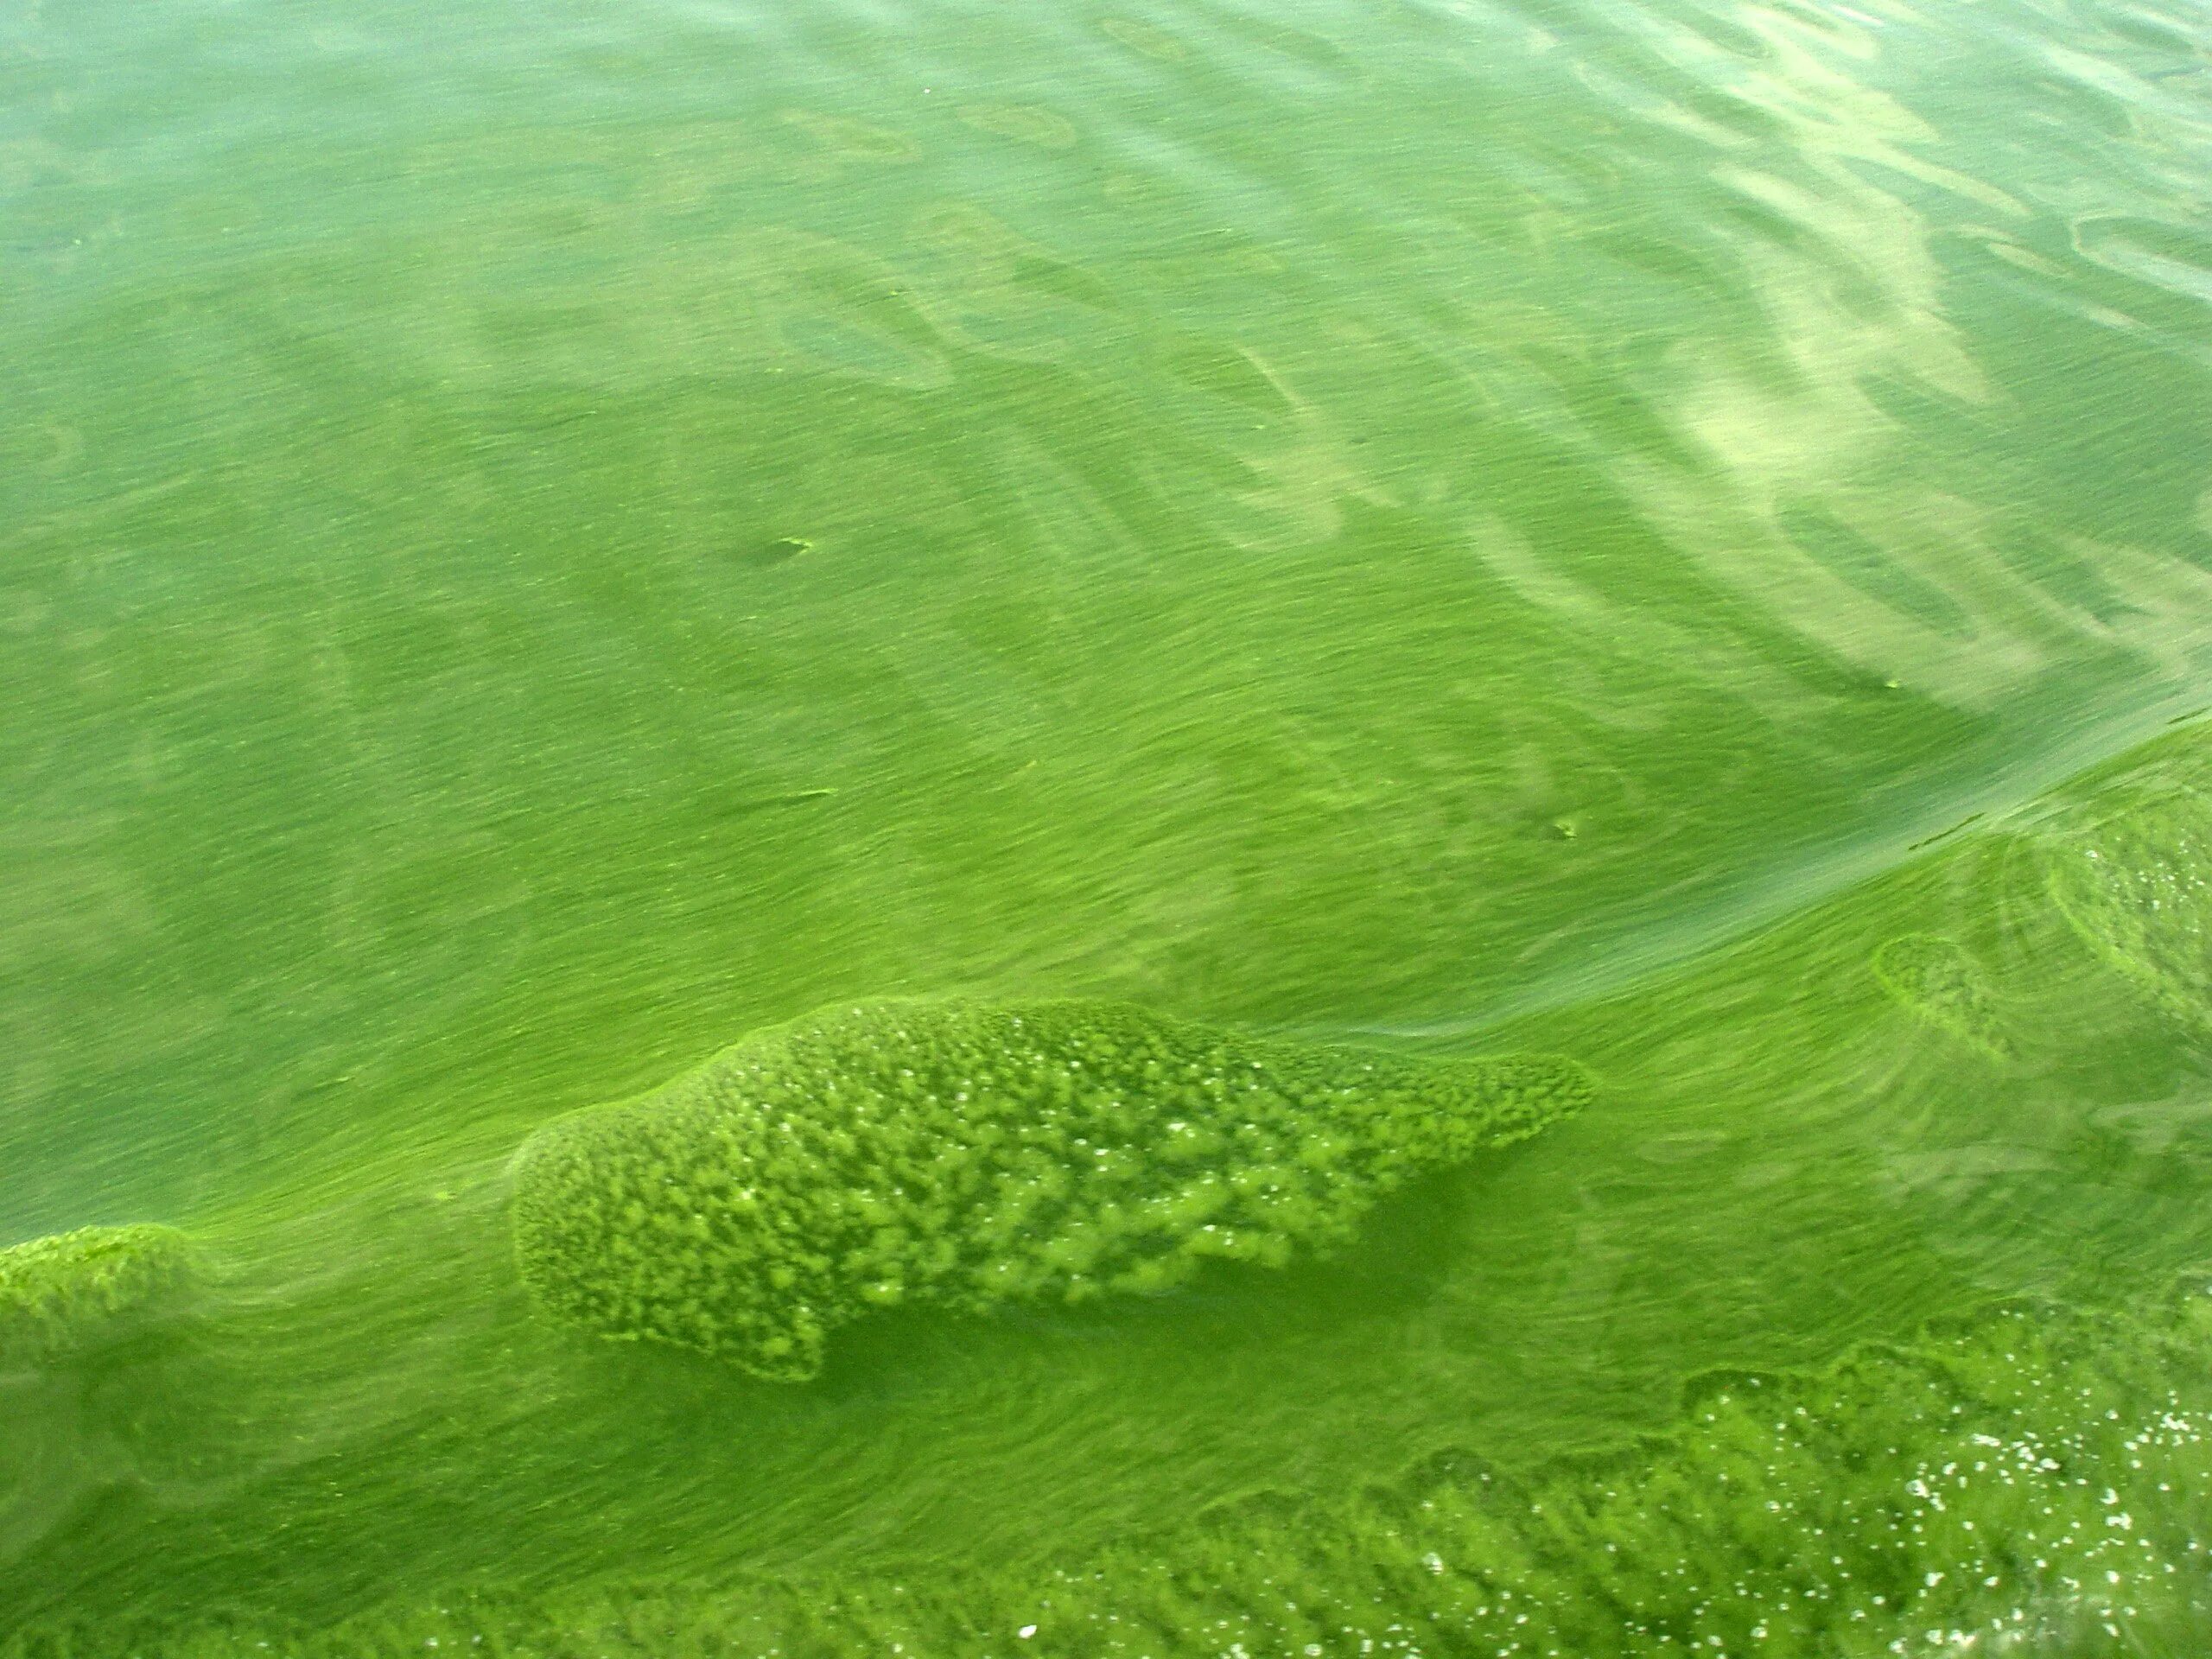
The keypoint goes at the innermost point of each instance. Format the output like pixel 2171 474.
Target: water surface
pixel 537 540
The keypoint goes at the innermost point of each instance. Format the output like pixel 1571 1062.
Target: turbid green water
pixel 539 543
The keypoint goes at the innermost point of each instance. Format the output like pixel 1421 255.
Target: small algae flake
pixel 971 1157
pixel 58 1294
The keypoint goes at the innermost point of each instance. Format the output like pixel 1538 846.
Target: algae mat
pixel 538 545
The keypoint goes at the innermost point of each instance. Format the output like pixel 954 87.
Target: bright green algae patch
pixel 971 1157
pixel 2039 1482
pixel 57 1293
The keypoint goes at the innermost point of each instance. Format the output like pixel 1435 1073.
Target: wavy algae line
pixel 1945 984
pixel 2039 1483
pixel 2135 881
pixel 970 1157
pixel 58 1294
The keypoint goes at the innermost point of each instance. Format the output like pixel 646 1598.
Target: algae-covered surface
pixel 60 1294
pixel 1194 829
pixel 978 1157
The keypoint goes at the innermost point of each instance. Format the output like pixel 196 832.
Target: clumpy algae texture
pixel 970 1157
pixel 58 1293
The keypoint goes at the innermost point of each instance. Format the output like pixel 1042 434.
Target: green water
pixel 535 542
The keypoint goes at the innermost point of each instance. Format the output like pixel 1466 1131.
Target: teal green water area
pixel 540 543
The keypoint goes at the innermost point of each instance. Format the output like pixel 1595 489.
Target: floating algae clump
pixel 59 1293
pixel 973 1156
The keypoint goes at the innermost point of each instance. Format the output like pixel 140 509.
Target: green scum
pixel 60 1293
pixel 975 1156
